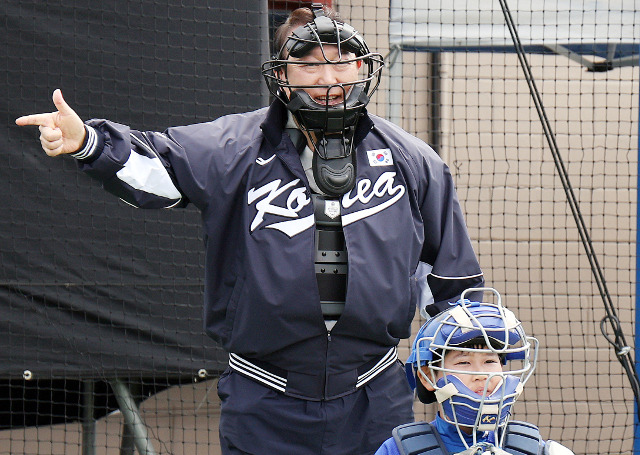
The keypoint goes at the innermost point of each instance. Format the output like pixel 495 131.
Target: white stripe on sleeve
pixel 90 148
pixel 148 175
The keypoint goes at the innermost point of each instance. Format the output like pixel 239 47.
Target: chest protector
pixel 421 438
pixel 331 256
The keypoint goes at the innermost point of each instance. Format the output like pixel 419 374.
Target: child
pixel 457 359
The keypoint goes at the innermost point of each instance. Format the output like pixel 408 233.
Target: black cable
pixel 622 350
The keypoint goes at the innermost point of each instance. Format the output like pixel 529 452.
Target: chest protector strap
pixel 523 438
pixel 331 256
pixel 421 438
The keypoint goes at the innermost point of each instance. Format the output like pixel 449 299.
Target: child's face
pixel 474 361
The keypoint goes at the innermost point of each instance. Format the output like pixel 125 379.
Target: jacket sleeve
pixel 388 448
pixel 135 166
pixel 448 264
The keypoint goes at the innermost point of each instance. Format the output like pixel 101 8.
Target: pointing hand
pixel 61 132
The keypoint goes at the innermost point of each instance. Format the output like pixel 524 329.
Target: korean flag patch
pixel 380 157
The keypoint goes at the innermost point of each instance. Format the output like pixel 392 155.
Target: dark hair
pixel 481 343
pixel 424 395
pixel 297 18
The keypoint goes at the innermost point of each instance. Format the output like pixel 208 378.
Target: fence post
pixel 132 418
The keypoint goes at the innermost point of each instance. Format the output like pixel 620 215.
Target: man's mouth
pixel 330 100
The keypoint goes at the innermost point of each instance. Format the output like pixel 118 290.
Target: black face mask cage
pixel 367 85
pixel 324 31
pixel 329 121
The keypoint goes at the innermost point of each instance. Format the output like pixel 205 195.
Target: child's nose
pixel 482 378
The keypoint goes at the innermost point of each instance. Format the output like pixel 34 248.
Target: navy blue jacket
pixel 261 296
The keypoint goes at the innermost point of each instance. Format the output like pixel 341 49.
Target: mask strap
pixel 318 9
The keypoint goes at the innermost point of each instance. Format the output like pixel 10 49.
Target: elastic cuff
pixel 88 146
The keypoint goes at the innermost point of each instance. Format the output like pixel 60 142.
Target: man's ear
pixel 427 385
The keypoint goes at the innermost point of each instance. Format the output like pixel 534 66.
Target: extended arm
pixel 132 169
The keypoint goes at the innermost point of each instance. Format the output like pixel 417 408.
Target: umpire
pixel 324 228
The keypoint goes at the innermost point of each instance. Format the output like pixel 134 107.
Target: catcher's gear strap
pixel 418 438
pixel 523 438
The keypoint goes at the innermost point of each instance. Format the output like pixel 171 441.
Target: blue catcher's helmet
pixel 472 327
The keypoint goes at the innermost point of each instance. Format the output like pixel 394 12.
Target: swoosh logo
pixel 262 161
pixel 293 227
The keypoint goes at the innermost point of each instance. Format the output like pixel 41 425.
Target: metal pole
pixel 394 102
pixel 636 422
pixel 132 418
pixel 264 45
pixel 435 104
pixel 88 422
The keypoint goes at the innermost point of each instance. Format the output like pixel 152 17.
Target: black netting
pixel 95 294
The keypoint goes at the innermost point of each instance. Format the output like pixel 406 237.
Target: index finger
pixel 36 119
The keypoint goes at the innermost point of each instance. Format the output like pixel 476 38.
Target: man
pixel 323 228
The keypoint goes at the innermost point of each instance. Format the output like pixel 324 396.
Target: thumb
pixel 61 104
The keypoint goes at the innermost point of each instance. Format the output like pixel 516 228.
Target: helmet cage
pixel 462 328
pixel 311 115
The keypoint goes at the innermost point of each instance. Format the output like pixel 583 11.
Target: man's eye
pixel 304 66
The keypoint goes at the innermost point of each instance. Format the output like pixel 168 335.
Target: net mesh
pixel 155 64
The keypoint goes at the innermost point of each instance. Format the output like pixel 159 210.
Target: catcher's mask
pixel 472 327
pixel 330 127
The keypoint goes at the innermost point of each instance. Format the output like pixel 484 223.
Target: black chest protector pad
pixel 331 256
